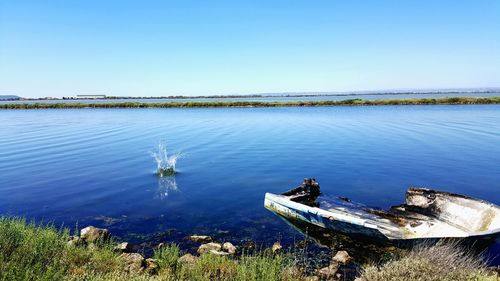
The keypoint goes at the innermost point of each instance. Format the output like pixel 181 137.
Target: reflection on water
pixel 166 185
pixel 368 250
pixel 362 250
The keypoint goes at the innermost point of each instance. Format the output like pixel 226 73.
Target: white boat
pixel 426 214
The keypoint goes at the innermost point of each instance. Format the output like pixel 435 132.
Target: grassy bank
pixel 212 104
pixel 33 252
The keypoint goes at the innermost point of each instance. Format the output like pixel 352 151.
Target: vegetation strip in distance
pixel 215 104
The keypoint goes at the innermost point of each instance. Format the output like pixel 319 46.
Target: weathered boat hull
pixel 296 211
pixel 360 222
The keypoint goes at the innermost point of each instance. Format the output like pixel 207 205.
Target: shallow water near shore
pixel 94 166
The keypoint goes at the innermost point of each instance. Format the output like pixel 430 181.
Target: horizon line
pixel 298 93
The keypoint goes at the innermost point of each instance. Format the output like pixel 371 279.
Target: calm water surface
pixel 94 166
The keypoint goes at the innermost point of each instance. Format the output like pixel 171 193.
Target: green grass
pixel 167 256
pixel 40 252
pixel 211 104
pixel 265 266
pixel 28 252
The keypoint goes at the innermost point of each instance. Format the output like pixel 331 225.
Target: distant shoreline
pixel 236 104
pixel 285 95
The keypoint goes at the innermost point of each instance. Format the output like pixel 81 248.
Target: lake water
pixel 270 98
pixel 94 166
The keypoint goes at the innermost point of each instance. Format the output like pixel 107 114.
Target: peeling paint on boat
pixel 426 214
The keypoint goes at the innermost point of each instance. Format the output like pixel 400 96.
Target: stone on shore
pixel 229 248
pixel 218 253
pixel 342 257
pixel 75 241
pixel 152 266
pixel 329 271
pixel 133 262
pixel 205 248
pixel 200 238
pixel 91 234
pixel 310 278
pixel 187 259
pixel 276 248
pixel 123 247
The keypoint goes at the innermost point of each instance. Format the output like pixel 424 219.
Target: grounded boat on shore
pixel 426 215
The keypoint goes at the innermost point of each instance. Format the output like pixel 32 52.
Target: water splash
pixel 165 165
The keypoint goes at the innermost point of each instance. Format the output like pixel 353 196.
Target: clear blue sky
pixel 143 48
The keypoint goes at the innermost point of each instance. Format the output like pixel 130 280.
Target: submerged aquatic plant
pixel 165 165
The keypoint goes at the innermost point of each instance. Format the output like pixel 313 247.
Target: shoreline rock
pixel 205 248
pixel 152 266
pixel 219 253
pixel 75 241
pixel 92 234
pixel 328 271
pixel 187 259
pixel 134 262
pixel 123 247
pixel 200 238
pixel 276 248
pixel 229 248
pixel 342 257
